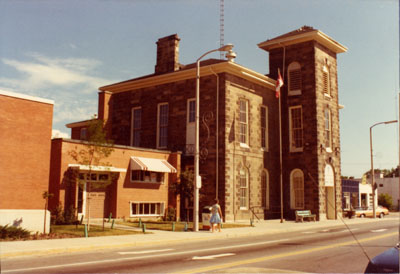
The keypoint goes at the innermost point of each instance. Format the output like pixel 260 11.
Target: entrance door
pixel 81 200
pixel 330 203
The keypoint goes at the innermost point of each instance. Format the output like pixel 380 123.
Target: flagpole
pixel 280 133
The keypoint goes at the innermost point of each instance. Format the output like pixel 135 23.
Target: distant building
pixel 25 140
pixel 391 187
pixel 239 125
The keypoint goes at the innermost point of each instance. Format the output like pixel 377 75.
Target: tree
pixel 46 195
pixel 385 200
pixel 96 149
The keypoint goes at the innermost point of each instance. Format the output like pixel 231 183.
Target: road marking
pixel 144 251
pixel 212 257
pixel 379 230
pixel 282 255
pixel 139 257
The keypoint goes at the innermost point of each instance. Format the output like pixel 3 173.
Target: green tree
pixel 385 200
pixel 96 149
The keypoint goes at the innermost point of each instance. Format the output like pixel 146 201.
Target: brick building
pixel 239 124
pixel 25 134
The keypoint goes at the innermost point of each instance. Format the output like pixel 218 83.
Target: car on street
pixel 386 262
pixel 380 212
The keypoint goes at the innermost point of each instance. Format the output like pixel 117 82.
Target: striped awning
pixel 151 164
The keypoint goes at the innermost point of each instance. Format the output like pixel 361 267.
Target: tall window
pixel 264 189
pixel 297 189
pixel 162 125
pixel 244 188
pixel 136 126
pixel 191 113
pixel 243 121
pixel 294 79
pixel 296 129
pixel 264 127
pixel 326 81
pixel 328 129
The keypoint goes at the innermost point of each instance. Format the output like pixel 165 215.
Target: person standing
pixel 216 216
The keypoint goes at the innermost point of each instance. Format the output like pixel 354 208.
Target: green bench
pixel 304 214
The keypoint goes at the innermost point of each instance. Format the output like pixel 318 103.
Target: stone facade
pixel 234 165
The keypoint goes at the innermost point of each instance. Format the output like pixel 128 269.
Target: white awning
pixel 97 168
pixel 151 164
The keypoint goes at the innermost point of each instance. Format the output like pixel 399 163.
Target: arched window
pixel 244 188
pixel 326 81
pixel 265 189
pixel 297 189
pixel 294 79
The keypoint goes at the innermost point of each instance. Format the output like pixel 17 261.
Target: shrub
pixel 385 200
pixel 61 217
pixel 7 232
pixel 170 214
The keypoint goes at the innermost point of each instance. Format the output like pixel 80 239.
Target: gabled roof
pixel 300 35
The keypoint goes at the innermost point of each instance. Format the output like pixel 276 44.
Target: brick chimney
pixel 167 54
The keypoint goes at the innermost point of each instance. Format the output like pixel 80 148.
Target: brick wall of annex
pixel 122 191
pixel 25 134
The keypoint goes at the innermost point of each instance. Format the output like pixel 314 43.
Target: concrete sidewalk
pixel 44 247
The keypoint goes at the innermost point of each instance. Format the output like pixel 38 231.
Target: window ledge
pixel 244 145
pixel 327 96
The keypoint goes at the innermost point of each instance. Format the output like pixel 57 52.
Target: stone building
pixel 239 125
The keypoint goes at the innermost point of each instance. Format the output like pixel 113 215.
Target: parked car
pixel 386 262
pixel 380 212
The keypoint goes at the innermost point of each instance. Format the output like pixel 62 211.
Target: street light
pixel 372 164
pixel 197 179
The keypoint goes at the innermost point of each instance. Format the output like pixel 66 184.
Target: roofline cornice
pixel 316 35
pixel 223 67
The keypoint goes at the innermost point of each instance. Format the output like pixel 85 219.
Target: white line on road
pixel 138 257
pixel 144 251
pixel 379 230
pixel 212 257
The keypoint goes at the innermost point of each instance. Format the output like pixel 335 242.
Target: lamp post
pixel 372 164
pixel 197 178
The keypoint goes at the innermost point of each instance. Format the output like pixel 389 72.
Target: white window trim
pixel 265 146
pixel 158 124
pixel 292 148
pixel 132 123
pixel 246 143
pixel 292 193
pixel 328 147
pixel 188 110
pixel 162 209
pixel 247 189
pixel 165 176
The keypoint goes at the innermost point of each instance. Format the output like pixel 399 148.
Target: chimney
pixel 167 54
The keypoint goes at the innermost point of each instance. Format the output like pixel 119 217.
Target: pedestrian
pixel 216 216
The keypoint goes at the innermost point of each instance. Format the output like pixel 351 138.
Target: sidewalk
pixel 157 237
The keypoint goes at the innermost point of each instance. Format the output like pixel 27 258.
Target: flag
pixel 279 84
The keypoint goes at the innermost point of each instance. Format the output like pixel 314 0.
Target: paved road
pixel 315 250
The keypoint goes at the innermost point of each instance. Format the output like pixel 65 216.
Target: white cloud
pixel 44 73
pixel 55 133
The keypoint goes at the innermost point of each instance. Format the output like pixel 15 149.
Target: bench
pixel 304 214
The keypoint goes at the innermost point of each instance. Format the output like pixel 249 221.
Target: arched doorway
pixel 330 203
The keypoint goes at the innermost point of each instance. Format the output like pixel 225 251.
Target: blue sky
pixel 65 50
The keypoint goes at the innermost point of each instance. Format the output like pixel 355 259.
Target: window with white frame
pixel 244 188
pixel 296 129
pixel 162 125
pixel 328 129
pixel 294 79
pixel 191 111
pixel 297 189
pixel 326 81
pixel 264 189
pixel 147 209
pixel 264 127
pixel 143 176
pixel 136 126
pixel 94 176
pixel 243 121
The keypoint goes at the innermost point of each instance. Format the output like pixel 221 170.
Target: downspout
pixel 216 137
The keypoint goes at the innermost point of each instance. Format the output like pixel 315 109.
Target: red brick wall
pixel 122 191
pixel 25 134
